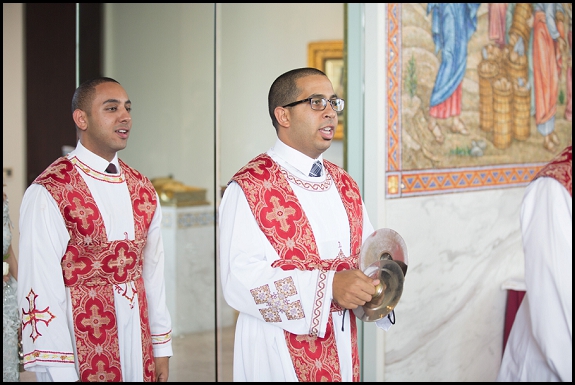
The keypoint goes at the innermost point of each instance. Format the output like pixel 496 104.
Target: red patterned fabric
pixel 284 223
pixel 560 169
pixel 93 267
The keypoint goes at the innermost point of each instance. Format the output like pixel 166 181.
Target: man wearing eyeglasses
pixel 291 228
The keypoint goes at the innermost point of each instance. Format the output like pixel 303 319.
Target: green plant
pixel 411 77
pixel 460 151
pixel 561 97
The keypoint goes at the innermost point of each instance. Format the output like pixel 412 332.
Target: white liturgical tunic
pixel 260 350
pixel 43 241
pixel 540 345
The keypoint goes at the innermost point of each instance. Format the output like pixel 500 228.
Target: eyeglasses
pixel 319 104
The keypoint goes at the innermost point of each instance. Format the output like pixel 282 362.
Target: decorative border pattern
pixel 401 183
pixel 160 339
pixel 188 219
pixel 120 178
pixel 201 219
pixel 309 186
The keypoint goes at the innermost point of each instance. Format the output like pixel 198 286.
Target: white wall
pixel 259 43
pixel 13 116
pixel 163 54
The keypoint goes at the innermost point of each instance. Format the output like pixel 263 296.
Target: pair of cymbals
pixel 383 256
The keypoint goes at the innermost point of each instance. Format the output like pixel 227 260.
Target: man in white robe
pixel 540 345
pixel 94 315
pixel 305 295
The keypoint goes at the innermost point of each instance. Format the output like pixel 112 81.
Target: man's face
pixel 109 121
pixel 310 131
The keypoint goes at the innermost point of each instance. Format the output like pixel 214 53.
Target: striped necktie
pixel 315 169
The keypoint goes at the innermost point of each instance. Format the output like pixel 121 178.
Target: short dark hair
pixel 284 89
pixel 84 94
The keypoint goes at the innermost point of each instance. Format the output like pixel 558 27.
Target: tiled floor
pixel 194 358
pixel 27 377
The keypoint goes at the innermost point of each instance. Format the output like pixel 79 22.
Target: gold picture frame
pixel 328 57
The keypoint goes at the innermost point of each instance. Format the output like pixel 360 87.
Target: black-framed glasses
pixel 319 104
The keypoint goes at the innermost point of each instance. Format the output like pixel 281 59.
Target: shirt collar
pixel 296 159
pixel 95 162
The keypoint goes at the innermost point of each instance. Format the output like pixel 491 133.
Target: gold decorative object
pixel 175 193
pixel 392 184
pixel 328 57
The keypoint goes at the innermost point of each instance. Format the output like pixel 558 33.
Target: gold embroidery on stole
pixel 268 191
pixel 92 266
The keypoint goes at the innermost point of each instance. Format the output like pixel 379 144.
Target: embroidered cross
pixel 33 316
pixel 69 265
pixel 146 207
pixel 101 375
pixel 310 344
pixel 280 213
pixel 57 170
pixel 81 212
pixel 95 321
pixel 120 262
pixel 259 166
pixel 278 302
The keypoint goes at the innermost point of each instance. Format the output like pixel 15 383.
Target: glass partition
pixel 164 55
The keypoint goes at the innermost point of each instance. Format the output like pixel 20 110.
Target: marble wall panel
pixel 450 319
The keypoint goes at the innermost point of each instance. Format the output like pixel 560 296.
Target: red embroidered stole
pixel 93 266
pixel 283 221
pixel 560 168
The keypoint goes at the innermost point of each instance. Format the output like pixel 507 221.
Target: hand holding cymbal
pixel 383 256
pixel 352 288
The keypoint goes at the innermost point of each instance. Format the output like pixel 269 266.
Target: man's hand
pixel 162 368
pixel 352 288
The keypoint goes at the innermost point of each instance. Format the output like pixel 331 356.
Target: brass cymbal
pixel 383 256
pixel 383 244
pixel 387 293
